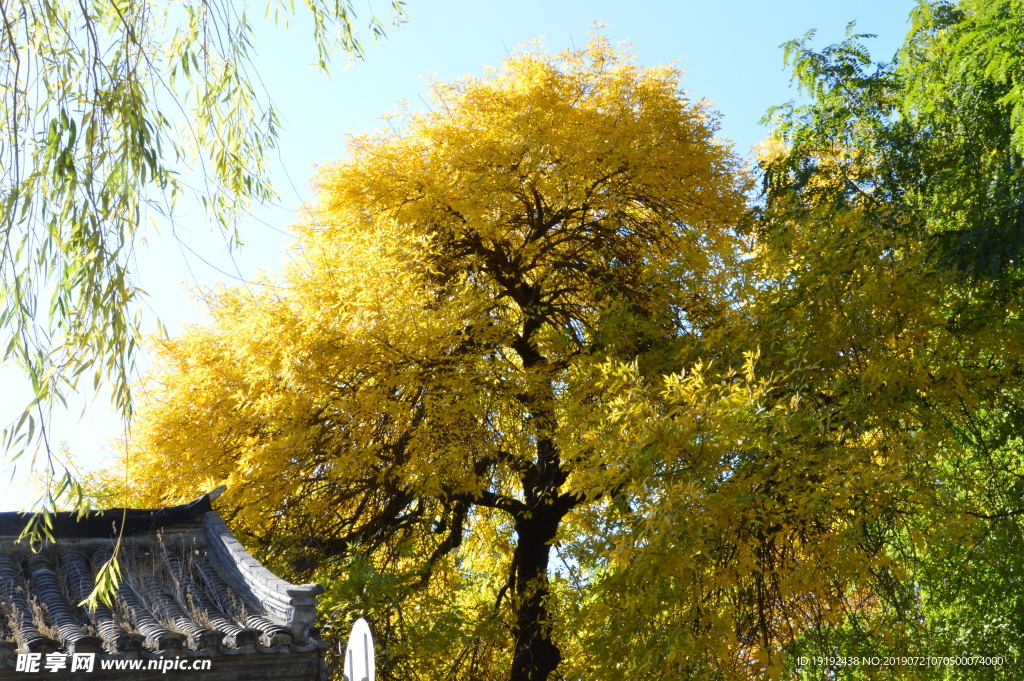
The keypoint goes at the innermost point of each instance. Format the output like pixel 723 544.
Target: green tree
pixel 926 152
pixel 102 107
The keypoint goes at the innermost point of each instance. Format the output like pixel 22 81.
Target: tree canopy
pixel 425 388
pixel 915 165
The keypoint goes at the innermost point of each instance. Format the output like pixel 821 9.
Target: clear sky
pixel 729 51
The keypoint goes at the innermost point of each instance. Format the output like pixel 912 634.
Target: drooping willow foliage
pixel 105 105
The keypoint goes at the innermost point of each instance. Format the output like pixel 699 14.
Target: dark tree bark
pixel 536 655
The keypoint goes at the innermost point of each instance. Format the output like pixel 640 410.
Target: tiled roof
pixel 188 588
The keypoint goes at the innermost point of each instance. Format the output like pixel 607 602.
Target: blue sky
pixel 728 50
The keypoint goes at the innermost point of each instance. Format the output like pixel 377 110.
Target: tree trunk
pixel 536 656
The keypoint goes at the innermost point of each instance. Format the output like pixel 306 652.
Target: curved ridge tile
pixel 157 635
pixel 80 583
pixel 236 636
pixel 292 605
pixel 273 634
pixel 166 607
pixel 19 612
pixel 46 586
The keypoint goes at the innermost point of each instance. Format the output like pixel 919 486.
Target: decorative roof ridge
pixel 291 605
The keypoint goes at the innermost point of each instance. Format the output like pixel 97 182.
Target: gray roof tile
pixel 187 588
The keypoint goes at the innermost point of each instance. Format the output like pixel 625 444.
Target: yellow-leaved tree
pixel 496 404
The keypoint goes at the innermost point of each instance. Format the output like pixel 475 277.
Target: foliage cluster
pixel 110 112
pixel 922 157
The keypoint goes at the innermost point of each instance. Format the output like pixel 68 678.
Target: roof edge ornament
pixel 216 492
pixel 290 605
